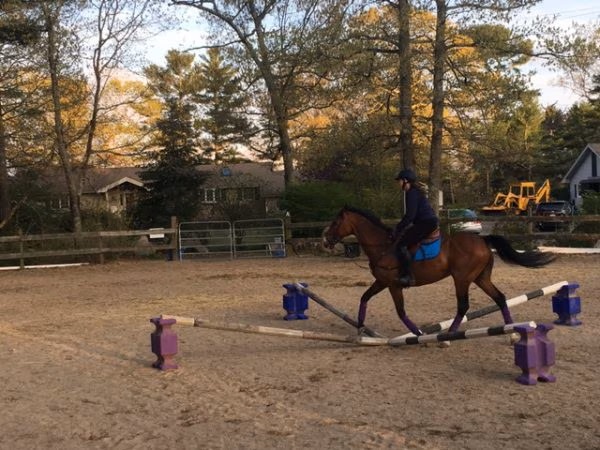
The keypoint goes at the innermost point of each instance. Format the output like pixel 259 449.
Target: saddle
pixel 428 248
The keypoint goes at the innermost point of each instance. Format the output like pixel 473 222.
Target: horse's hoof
pixel 362 331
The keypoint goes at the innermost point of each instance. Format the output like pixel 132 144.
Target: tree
pixel 116 24
pixel 464 11
pixel 222 99
pixel 174 182
pixel 17 25
pixel 18 32
pixel 576 54
pixel 277 38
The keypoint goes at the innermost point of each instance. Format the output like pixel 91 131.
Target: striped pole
pixel 345 317
pixel 444 325
pixel 257 329
pixel 457 335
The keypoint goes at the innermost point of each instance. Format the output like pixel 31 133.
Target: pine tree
pixel 222 97
pixel 173 181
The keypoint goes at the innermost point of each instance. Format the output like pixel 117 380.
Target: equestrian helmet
pixel 406 174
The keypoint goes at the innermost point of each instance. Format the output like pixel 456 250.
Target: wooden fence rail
pixel 100 243
pixel 526 222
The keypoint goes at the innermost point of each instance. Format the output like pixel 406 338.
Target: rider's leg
pixel 406 277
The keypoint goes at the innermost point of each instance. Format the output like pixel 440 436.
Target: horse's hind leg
pixel 462 303
pixel 484 281
pixel 398 298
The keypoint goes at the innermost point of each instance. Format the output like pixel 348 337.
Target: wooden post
pixel 287 232
pixel 175 246
pixel 101 249
pixel 21 250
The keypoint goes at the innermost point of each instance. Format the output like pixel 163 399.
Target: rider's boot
pixel 405 278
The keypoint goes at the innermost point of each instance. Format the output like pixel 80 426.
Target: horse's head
pixel 339 228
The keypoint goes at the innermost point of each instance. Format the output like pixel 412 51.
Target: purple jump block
pixel 163 342
pixel 546 353
pixel 566 304
pixel 295 302
pixel 534 354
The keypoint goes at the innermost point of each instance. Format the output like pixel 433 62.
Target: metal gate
pixel 205 240
pixel 259 237
pixel 244 239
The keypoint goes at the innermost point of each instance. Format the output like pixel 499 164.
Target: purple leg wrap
pixel 506 315
pixel 456 323
pixel 362 312
pixel 411 326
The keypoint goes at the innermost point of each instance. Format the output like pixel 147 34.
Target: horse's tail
pixel 508 254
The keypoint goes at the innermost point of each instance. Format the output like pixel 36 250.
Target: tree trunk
pixel 262 60
pixel 437 120
pixel 4 193
pixel 405 80
pixel 61 147
pixel 285 143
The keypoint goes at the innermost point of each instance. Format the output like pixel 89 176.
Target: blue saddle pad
pixel 428 250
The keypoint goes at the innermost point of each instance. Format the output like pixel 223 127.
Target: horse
pixel 466 257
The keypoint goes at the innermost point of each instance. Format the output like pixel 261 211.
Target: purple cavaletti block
pixel 295 302
pixel 163 342
pixel 546 352
pixel 566 304
pixel 526 355
pixel 534 354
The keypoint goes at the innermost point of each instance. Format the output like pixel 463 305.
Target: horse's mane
pixel 368 215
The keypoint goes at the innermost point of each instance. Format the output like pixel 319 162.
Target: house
pixel 241 183
pixel 118 188
pixel 584 174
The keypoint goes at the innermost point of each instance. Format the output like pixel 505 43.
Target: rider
pixel 418 222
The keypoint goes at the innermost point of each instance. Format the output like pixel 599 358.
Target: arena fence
pixel 240 239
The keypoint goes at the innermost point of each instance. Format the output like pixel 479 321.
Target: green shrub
pixel 315 201
pixel 591 203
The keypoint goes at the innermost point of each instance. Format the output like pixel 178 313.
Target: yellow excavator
pixel 520 197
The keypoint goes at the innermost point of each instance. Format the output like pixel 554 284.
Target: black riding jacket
pixel 418 209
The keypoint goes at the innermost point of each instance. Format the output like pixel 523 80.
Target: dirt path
pixel 76 354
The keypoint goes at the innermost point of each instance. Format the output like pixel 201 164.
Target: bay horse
pixel 466 257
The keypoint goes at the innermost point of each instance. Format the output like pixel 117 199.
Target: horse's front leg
pixel 398 298
pixel 374 289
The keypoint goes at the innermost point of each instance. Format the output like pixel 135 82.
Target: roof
pixel 590 148
pixel 271 180
pixel 100 180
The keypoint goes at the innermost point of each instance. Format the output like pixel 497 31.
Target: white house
pixel 584 174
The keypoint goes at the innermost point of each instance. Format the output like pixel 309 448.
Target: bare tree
pixel 115 24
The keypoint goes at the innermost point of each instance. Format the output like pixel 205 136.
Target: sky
pixel 546 81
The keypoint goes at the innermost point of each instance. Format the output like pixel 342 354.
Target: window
pixel 249 194
pixel 239 194
pixel 60 202
pixel 209 195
